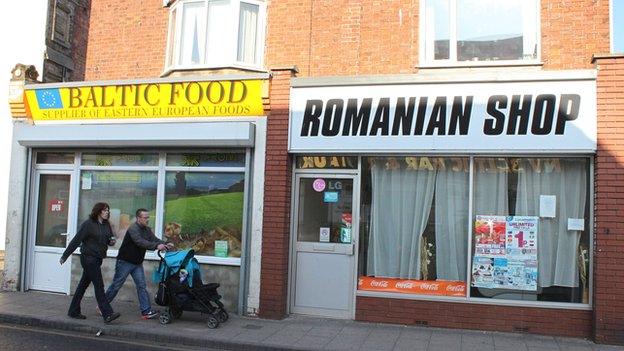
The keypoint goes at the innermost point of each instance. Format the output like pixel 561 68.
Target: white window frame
pixel 77 167
pixel 427 62
pixel 229 60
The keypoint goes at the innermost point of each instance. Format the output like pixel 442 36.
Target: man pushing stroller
pixel 137 240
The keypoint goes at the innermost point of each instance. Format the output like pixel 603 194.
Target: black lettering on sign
pixel 460 115
pixel 332 118
pixel 543 114
pixel 311 122
pixel 437 120
pixel 569 106
pixel 403 116
pixel 382 118
pixel 495 126
pixel 357 118
pixel 420 117
pixel 519 114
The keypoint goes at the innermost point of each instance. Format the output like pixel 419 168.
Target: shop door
pixel 48 232
pixel 325 237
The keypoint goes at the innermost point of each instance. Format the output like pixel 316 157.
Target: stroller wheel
pixel 165 318
pixel 212 322
pixel 176 312
pixel 222 316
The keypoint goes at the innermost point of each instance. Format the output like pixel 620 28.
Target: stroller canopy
pixel 173 262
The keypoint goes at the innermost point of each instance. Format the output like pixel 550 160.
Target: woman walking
pixel 93 237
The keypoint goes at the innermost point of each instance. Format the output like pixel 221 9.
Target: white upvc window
pixel 215 34
pixel 479 32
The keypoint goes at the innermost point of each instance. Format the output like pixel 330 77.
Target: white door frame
pixel 292 267
pixel 32 227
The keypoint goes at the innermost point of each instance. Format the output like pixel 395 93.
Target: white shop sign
pixel 527 116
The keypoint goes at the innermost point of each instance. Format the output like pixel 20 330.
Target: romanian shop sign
pixel 145 100
pixel 450 117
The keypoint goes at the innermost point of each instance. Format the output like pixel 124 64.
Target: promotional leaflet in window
pixel 505 252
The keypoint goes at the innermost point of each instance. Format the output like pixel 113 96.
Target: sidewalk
pixel 294 333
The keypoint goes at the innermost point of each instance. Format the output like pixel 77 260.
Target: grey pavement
pixel 293 333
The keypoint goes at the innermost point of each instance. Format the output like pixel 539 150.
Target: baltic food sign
pixel 451 117
pixel 146 100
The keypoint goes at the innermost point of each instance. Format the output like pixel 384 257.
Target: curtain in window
pixel 451 221
pixel 248 24
pixel 490 193
pixel 218 47
pixel 556 246
pixel 193 33
pixel 400 206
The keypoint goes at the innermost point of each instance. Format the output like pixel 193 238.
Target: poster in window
pixel 490 236
pixel 512 266
pixel 521 242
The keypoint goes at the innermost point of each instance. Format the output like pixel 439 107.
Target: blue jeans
pixel 122 270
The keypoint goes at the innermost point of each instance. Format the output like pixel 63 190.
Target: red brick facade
pixel 475 316
pixel 349 38
pixel 126 40
pixel 609 209
pixel 275 238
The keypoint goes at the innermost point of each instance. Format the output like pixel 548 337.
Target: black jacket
pixel 137 240
pixel 93 238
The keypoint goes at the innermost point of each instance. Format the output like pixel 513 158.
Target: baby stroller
pixel 181 289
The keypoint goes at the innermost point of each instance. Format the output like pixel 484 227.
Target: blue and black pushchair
pixel 180 289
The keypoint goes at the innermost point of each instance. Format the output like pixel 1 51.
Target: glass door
pixel 49 229
pixel 324 256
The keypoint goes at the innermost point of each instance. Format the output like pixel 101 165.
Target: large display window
pixel 505 228
pixel 196 199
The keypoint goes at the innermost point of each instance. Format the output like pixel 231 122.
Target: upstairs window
pixel 216 33
pixel 479 32
pixel 617 26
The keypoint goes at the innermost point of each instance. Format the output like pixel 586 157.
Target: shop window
pixel 124 191
pixel 216 34
pixel 204 211
pixel 413 227
pixel 326 162
pixel 479 32
pixel 617 27
pixel 120 159
pixel 530 232
pixel 525 237
pixel 206 160
pixel 55 157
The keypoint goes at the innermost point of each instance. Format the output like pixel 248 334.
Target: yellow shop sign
pixel 146 100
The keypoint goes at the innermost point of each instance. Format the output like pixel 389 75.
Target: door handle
pixel 63 234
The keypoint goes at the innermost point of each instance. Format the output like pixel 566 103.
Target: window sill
pixel 480 65
pixel 474 300
pixel 233 68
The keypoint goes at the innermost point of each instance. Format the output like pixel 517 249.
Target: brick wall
pixel 348 37
pixel 474 316
pixel 276 225
pixel 80 40
pixel 329 37
pixel 127 39
pixel 609 188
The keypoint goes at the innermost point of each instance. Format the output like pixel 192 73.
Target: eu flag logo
pixel 49 98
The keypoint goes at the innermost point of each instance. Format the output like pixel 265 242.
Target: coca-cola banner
pixel 538 112
pixel 409 286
